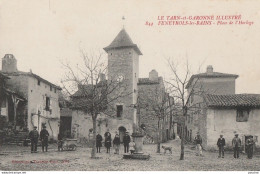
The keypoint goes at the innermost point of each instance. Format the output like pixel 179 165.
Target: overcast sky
pixel 41 33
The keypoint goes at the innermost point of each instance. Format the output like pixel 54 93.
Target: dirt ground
pixel 15 158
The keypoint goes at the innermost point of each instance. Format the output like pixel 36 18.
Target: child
pixel 132 147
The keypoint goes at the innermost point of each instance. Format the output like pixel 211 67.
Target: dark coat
pixel 116 141
pixel 34 135
pixel 236 142
pixel 107 140
pixel 44 134
pixel 198 140
pixel 99 141
pixel 221 142
pixel 126 139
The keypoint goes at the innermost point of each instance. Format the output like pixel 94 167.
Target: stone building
pixel 153 102
pixel 41 96
pixel 210 82
pixel 227 115
pixel 220 111
pixel 123 67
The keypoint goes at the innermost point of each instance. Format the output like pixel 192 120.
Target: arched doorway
pixel 122 131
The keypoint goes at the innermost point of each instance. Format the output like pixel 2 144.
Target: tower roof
pixel 122 40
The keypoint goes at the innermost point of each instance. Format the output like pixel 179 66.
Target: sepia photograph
pixel 137 85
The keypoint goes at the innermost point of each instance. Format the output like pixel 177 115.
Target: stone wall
pixel 37 95
pixel 223 121
pixel 147 93
pixel 121 62
pixel 82 122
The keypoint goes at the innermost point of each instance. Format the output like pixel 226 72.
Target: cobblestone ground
pixel 80 160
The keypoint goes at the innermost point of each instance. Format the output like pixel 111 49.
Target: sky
pixel 43 33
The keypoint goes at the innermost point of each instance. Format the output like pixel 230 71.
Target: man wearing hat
pixel 221 143
pixel 236 143
pixel 126 141
pixel 44 134
pixel 34 135
pixel 198 142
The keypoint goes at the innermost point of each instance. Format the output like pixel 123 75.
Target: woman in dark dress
pixel 98 142
pixel 108 141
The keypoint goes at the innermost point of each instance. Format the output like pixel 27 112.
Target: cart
pixel 69 144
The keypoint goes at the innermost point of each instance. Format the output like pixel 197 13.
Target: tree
pixel 89 89
pixel 183 98
pixel 155 101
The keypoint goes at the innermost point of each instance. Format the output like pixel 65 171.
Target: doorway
pixel 246 137
pixel 65 126
pixel 122 131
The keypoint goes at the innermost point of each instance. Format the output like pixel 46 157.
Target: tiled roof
pixel 146 81
pixel 2 76
pixel 232 100
pixel 122 40
pixel 81 92
pixel 210 75
pixel 31 75
pixel 9 91
pixel 85 90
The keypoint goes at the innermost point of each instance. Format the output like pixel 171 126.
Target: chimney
pixel 153 75
pixel 209 69
pixel 102 77
pixel 9 63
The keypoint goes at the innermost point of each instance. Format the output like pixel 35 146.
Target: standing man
pixel 221 143
pixel 250 147
pixel 198 142
pixel 34 135
pixel 236 143
pixel 98 142
pixel 126 141
pixel 116 143
pixel 44 134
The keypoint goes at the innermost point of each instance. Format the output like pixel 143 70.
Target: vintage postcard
pixel 139 85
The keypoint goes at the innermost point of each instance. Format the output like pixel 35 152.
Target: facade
pixel 221 111
pixel 152 97
pixel 230 114
pixel 209 82
pixel 41 107
pixel 123 67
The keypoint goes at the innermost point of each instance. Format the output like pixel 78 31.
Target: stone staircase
pixel 18 138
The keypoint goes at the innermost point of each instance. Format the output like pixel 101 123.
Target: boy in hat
pixel 126 141
pixel 44 134
pixel 34 135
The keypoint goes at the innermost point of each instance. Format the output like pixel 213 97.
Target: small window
pixel 54 90
pixel 39 82
pixel 47 108
pixel 119 109
pixel 242 115
pixel 50 88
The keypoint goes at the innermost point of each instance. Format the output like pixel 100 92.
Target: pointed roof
pixel 122 40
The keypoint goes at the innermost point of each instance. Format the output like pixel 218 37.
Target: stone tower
pixel 123 67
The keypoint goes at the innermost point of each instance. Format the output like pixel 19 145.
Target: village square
pixel 85 87
pixel 114 118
